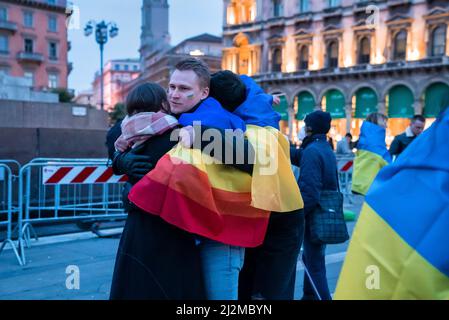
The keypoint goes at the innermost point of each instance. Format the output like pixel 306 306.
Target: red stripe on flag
pixel 86 172
pixel 347 166
pixel 123 178
pixel 61 173
pixel 105 176
pixel 187 214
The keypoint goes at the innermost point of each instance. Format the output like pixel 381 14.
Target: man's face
pixel 184 91
pixel 417 127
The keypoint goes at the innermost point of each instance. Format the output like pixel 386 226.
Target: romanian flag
pixel 400 246
pixel 193 192
pixel 372 155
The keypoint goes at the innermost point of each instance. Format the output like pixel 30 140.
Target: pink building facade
pixel 116 74
pixel 33 41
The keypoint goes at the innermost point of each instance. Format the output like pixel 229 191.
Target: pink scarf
pixel 142 126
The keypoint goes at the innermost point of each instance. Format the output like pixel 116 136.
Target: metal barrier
pixel 57 190
pixel 345 165
pixel 7 208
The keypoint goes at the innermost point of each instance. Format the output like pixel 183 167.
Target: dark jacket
pixel 399 144
pixel 113 133
pixel 156 260
pixel 318 170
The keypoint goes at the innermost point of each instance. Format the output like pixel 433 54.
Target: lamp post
pixel 101 36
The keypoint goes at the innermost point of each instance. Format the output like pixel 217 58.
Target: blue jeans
pixel 221 267
pixel 314 259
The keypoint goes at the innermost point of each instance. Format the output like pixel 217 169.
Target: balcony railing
pixel 30 57
pixel 357 69
pixel 275 21
pixel 8 26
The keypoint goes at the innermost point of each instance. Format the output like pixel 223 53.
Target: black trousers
pixel 269 271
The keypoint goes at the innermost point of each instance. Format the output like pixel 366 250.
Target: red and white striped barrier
pixel 345 165
pixel 80 175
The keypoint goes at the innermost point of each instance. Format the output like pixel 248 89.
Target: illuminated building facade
pixel 347 57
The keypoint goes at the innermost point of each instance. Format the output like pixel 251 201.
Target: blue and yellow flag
pixel 372 155
pixel 400 245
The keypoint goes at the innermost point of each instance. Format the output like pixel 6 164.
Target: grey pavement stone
pixel 44 276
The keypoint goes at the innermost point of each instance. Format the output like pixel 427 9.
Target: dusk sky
pixel 187 18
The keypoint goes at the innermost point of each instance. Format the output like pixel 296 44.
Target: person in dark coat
pixel 318 172
pixel 401 141
pixel 154 260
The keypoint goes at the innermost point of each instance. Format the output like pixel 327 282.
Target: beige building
pixel 116 74
pixel 347 57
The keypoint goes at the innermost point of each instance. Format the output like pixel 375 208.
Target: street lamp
pixel 101 36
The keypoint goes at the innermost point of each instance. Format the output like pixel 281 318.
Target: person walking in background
pixel 318 172
pixel 344 146
pixel 372 154
pixel 402 141
pixel 402 229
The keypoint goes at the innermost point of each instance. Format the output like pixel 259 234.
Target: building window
pixel 276 64
pixel 28 19
pixel 51 1
pixel 126 67
pixel 117 67
pixel 52 80
pixel 29 75
pixel 400 45
pixel 3 14
pixel 4 44
pixel 303 54
pixel 438 45
pixel 303 6
pixel 52 24
pixel 135 68
pixel 333 3
pixel 364 51
pixel 277 8
pixel 53 50
pixel 332 54
pixel 29 45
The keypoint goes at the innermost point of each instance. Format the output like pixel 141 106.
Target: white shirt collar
pixel 408 132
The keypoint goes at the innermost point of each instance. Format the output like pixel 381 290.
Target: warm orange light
pixel 348 62
pixel 290 67
pixel 379 58
pixel 253 12
pixel 413 55
pixel 231 15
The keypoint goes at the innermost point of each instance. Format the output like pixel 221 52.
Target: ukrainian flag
pixel 372 155
pixel 400 246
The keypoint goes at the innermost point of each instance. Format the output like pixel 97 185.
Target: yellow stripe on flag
pixel 274 187
pixel 366 167
pixel 386 267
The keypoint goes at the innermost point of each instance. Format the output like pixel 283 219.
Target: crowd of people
pixel 223 230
